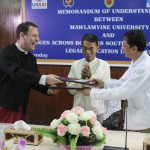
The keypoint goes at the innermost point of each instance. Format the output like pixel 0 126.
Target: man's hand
pixel 51 79
pixel 53 91
pixel 86 92
pixel 99 83
pixel 86 72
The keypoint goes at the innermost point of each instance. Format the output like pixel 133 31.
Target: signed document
pixel 69 88
pixel 80 81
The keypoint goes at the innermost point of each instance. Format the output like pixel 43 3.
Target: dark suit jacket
pixel 18 74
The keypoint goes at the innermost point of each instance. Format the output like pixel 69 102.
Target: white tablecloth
pixel 114 138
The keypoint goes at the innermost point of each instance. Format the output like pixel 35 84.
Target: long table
pixel 114 138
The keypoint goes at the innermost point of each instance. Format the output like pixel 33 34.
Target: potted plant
pixel 75 128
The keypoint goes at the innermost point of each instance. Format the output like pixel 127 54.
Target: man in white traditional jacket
pixel 89 67
pixel 134 85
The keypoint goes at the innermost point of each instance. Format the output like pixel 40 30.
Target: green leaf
pixel 100 142
pixel 61 140
pixel 45 132
pixel 65 122
pixel 51 134
pixel 73 142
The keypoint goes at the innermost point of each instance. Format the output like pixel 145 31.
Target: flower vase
pixel 67 147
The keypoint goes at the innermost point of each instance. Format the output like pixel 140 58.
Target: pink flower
pixel 61 130
pixel 105 131
pixel 85 131
pixel 63 115
pixel 93 120
pixel 78 110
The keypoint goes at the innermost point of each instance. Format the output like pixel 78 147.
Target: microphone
pixel 120 148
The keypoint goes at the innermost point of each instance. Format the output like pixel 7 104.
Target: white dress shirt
pixel 134 86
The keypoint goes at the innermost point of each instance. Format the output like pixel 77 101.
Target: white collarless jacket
pixel 134 86
pixel 99 69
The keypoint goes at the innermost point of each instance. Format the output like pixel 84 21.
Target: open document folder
pixel 80 81
pixel 74 80
pixel 69 88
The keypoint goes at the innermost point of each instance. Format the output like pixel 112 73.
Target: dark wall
pixel 42 109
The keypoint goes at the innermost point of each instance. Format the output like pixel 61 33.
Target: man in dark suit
pixel 19 73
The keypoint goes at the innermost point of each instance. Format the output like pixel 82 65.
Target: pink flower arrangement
pixel 75 127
